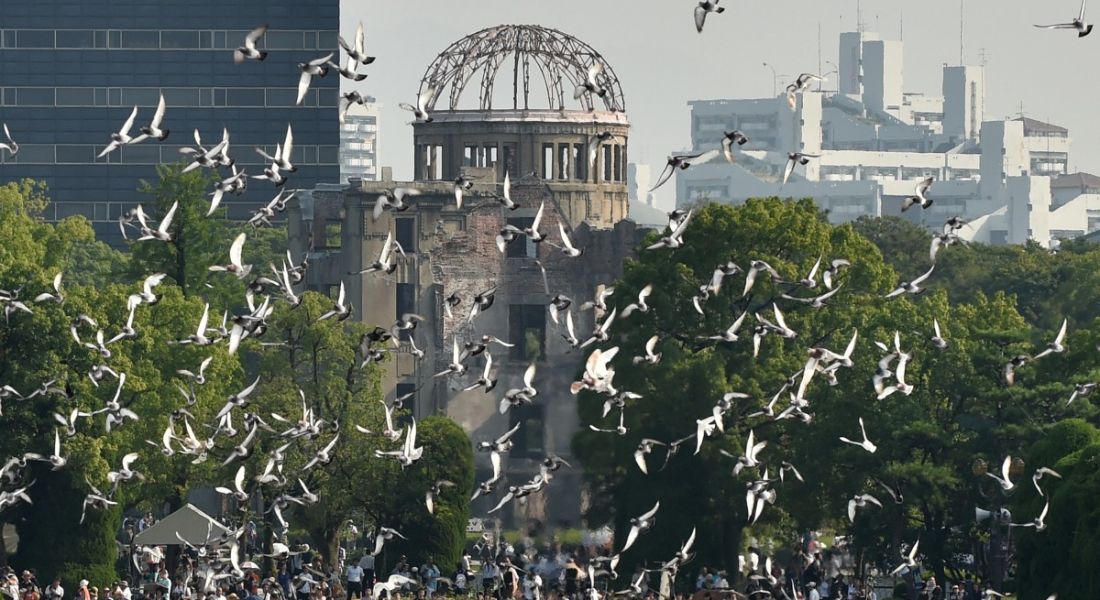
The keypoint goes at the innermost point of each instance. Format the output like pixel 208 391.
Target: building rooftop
pixel 1032 125
pixel 1076 180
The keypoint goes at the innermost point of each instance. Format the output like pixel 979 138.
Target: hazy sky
pixel 662 62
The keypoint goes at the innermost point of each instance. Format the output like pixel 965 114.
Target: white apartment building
pixel 359 142
pixel 876 142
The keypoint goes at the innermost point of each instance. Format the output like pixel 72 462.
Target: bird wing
pixel 203 321
pixel 359 39
pixel 700 18
pixel 665 175
pixel 288 143
pixel 630 538
pixel 565 237
pixel 235 250
pixel 926 275
pixel 166 222
pixel 494 458
pixel 1005 467
pixel 129 122
pixel 652 512
pixel 254 35
pixel 787 170
pixel 936 326
pixel 1061 333
pixel 529 375
pixel 303 86
pixel 538 217
pixel 158 116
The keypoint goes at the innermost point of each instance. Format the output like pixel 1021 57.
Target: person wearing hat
pixel 813 593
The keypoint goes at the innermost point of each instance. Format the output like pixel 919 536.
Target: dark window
pixel 145 154
pixel 76 96
pixel 282 40
pixel 75 38
pixel 580 157
pixel 140 97
pixel 328 155
pixel 34 38
pixel 244 97
pixel 606 163
pixel 141 39
pixel 490 156
pixel 181 97
pixel 563 161
pixel 510 163
pixel 527 331
pixel 407 388
pixel 75 154
pixel 618 150
pixel 34 96
pixel 404 229
pixel 405 303
pixel 530 439
pixel 469 157
pixel 179 39
pixel 522 247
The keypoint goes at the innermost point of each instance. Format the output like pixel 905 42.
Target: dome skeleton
pixel 562 61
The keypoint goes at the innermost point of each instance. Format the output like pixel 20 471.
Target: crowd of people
pixel 499 572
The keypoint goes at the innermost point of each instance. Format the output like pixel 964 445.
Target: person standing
pixel 367 564
pixel 429 574
pixel 532 585
pixel 355 581
pixel 54 591
pixel 813 594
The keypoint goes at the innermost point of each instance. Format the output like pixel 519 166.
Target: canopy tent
pixel 193 525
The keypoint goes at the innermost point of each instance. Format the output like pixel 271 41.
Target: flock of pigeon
pixel 222 555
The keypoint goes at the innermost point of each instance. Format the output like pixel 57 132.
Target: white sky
pixel 662 62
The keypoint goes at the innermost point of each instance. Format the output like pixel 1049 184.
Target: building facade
pixel 544 152
pixel 359 142
pixel 875 143
pixel 74 69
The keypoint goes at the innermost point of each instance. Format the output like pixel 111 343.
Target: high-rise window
pixel 404 233
pixel 529 441
pixel 527 331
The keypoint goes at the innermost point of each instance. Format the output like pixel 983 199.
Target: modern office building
pixel 875 142
pixel 359 142
pixel 72 70
pixel 541 143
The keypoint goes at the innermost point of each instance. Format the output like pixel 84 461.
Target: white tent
pixel 193 525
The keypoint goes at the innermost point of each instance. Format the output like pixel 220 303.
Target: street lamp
pixel 835 71
pixel 774 79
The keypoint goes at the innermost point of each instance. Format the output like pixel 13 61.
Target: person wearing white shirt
pixel 54 591
pixel 532 586
pixel 355 581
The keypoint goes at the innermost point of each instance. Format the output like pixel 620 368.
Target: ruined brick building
pixel 545 153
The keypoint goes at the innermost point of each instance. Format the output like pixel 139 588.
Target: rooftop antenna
pixel 961 63
pixel 819 53
pixel 859 16
pixel 901 26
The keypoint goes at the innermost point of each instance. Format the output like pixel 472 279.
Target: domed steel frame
pixel 560 58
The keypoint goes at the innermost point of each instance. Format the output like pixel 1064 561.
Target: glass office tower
pixel 72 70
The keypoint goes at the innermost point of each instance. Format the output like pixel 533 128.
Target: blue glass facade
pixel 72 70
